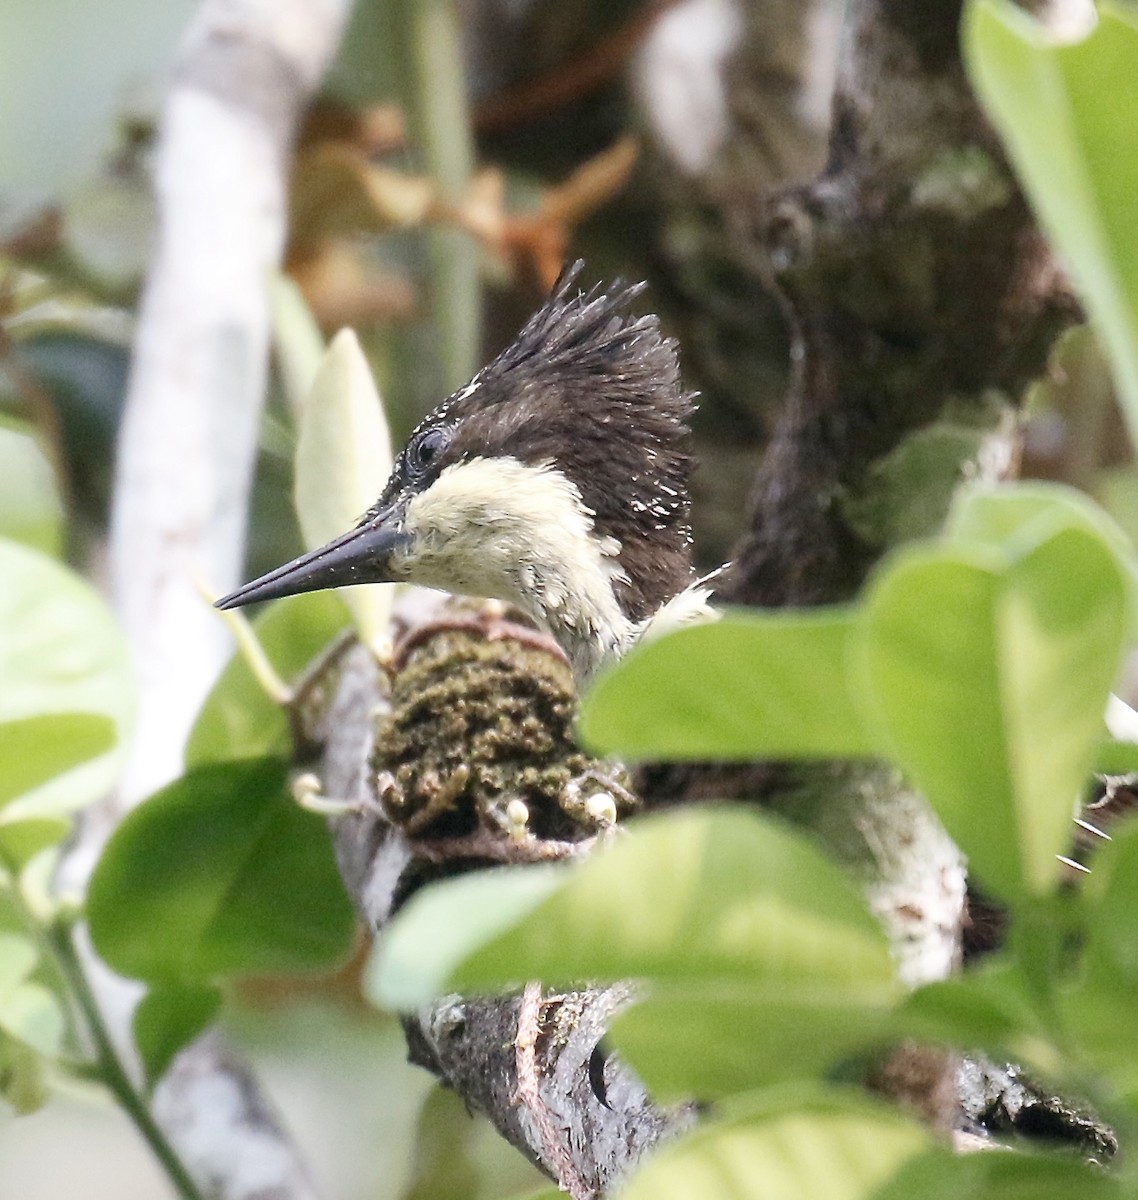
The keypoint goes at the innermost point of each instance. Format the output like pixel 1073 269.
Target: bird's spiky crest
pixel 594 390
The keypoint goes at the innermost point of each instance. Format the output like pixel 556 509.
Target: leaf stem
pixel 440 115
pixel 108 1067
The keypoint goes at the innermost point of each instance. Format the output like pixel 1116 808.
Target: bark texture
pixel 918 300
pixel 434 800
pixel 922 300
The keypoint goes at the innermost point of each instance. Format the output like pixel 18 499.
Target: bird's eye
pixel 426 448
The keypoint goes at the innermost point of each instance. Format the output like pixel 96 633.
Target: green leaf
pixel 420 951
pixel 723 1038
pixel 445 1158
pixel 220 872
pixel 32 1015
pixel 30 508
pixel 21 840
pixel 169 1018
pixel 18 958
pixel 1011 517
pixel 1068 115
pixel 1116 758
pixel 687 898
pixel 343 459
pixel 942 1175
pixel 990 681
pixel 36 749
pixel 238 719
pixel 60 653
pixel 751 685
pixel 297 339
pixel 1007 515
pixel 22 1075
pixel 988 1008
pixel 783 1145
pixel 28 1011
pixel 1099 1006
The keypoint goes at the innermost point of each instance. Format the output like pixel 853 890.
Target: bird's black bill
pixel 358 556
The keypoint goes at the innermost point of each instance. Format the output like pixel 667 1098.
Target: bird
pixel 557 480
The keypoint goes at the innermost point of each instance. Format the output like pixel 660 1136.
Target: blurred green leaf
pixel 167 1019
pixel 297 339
pixel 751 685
pixel 1116 489
pixel 30 508
pixel 28 1011
pixel 1068 115
pixel 1010 516
pixel 60 652
pixel 36 749
pixel 18 958
pixel 22 1075
pixel 1099 1006
pixel 942 1175
pixel 220 872
pixel 33 751
pixel 21 840
pixel 32 1015
pixel 987 1008
pixel 343 459
pixel 991 681
pixel 716 895
pixel 783 1145
pixel 721 1037
pixel 1116 758
pixel 238 719
pixel 444 1160
pixel 419 953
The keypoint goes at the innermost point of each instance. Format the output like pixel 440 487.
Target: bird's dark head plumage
pixel 557 478
pixel 593 389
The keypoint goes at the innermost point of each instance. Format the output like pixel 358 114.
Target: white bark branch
pixel 188 442
pixel 186 455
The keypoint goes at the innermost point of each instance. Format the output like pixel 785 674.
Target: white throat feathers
pixel 497 527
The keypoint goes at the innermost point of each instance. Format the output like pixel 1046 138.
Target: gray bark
pixel 535 1063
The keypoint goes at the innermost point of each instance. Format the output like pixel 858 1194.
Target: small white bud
pixel 602 808
pixel 305 788
pixel 517 819
pixel 308 792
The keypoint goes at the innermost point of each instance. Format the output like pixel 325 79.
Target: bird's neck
pixel 571 591
pixel 518 532
pixel 522 533
pixel 590 647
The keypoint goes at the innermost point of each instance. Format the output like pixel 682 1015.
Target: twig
pixel 529 1094
pixel 440 124
pixel 110 1069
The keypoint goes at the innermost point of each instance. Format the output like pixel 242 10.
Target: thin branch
pixel 109 1066
pixel 441 128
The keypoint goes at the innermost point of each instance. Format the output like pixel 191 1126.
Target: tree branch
pixel 922 300
pixel 495 699
pixel 188 445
